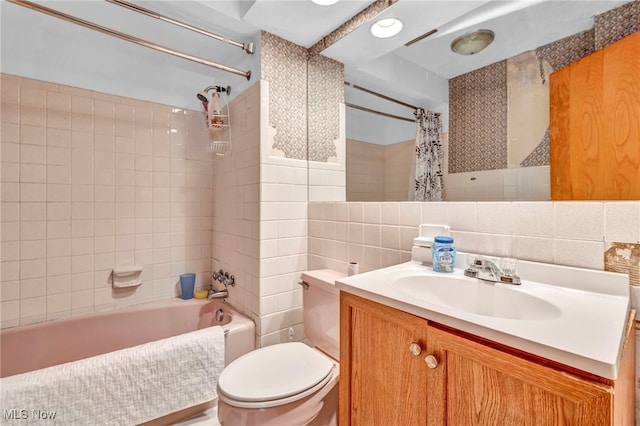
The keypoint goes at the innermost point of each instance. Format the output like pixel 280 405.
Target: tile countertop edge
pixel 594 366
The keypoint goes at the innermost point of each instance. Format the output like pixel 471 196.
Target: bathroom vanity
pixel 408 359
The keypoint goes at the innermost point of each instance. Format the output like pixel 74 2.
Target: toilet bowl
pixel 290 384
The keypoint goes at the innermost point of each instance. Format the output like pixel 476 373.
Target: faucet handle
pixel 509 266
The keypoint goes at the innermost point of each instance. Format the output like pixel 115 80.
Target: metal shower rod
pixel 247 47
pixel 373 111
pixel 127 37
pixel 380 95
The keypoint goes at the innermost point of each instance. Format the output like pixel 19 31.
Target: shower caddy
pixel 217 119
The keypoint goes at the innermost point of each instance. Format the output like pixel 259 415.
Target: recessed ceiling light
pixel 473 42
pixel 325 2
pixel 385 28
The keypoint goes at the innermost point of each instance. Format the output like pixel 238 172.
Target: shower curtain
pixel 427 179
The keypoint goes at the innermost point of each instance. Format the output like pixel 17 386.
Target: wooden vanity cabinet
pixel 453 379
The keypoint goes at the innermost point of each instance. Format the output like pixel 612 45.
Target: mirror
pixel 494 105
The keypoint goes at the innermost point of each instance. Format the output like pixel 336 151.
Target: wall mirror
pixel 494 105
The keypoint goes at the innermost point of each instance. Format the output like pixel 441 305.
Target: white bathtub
pixel 36 346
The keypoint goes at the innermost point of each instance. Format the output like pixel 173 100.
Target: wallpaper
pixel 616 24
pixel 477 126
pixel 326 92
pixel 361 18
pixel 478 102
pixel 284 66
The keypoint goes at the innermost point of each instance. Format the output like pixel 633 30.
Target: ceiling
pixel 417 74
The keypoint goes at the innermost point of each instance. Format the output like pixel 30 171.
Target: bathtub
pixel 32 347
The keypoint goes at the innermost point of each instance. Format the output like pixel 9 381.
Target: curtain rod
pixel 397 117
pixel 127 37
pixel 247 47
pixel 380 95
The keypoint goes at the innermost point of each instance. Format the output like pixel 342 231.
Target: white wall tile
pixel 462 216
pixel 622 221
pixel 410 214
pixel 372 213
pixel 495 218
pixel 494 244
pixel 579 253
pixel 579 220
pixel 356 212
pixel 535 219
pixel 390 213
pixel 533 249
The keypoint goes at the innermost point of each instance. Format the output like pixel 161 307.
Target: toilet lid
pixel 274 372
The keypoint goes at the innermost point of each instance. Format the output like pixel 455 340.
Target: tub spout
pixel 222 294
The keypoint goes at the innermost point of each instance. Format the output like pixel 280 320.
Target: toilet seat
pixel 274 375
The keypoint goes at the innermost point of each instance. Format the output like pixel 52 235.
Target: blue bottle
pixel 444 254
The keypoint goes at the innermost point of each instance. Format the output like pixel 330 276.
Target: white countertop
pixel 587 332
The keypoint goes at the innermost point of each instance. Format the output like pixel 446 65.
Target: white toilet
pixel 290 384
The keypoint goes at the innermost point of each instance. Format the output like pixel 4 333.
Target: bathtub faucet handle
pixel 228 280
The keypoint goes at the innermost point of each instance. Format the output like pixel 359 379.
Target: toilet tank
pixel 321 310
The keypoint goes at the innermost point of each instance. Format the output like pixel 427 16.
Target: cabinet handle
pixel 415 349
pixel 431 360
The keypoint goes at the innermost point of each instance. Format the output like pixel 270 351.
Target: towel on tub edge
pixel 124 387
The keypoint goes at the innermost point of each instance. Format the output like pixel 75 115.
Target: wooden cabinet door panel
pixel 587 128
pixel 622 108
pixel 595 125
pixel 484 386
pixel 560 159
pixel 381 381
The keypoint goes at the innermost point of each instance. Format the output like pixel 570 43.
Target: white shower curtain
pixel 427 181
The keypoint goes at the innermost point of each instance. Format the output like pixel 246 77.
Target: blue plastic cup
pixel 187 284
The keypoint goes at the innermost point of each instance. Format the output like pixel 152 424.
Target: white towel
pixel 124 387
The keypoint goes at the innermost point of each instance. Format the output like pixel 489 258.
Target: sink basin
pixel 477 297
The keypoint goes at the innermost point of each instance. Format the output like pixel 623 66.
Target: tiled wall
pixel 283 229
pixel 380 234
pixel 283 248
pixel 365 171
pixel 397 170
pixel 524 183
pixel 236 205
pixel 91 182
pixel 378 172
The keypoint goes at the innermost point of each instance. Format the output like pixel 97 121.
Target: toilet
pixel 290 384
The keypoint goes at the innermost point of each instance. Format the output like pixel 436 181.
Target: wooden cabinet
pixel 386 382
pixel 459 379
pixel 595 125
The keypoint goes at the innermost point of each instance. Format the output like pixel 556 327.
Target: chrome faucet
pixel 486 270
pixel 213 294
pixel 224 278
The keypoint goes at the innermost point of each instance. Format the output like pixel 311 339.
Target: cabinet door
pixel 595 125
pixel 484 386
pixel 622 108
pixel 382 382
